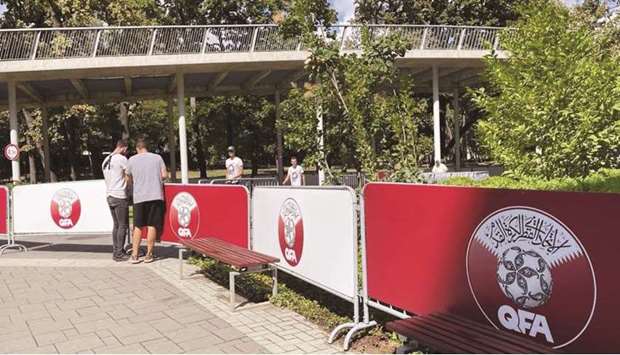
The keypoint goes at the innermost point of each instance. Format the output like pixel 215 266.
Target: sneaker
pixel 121 258
pixel 134 260
pixel 149 258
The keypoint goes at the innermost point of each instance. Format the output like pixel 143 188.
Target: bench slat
pixel 446 336
pixel 530 345
pixel 228 253
pixel 491 343
pixel 450 333
pixel 234 252
pixel 426 337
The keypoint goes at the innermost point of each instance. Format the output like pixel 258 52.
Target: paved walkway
pixel 71 297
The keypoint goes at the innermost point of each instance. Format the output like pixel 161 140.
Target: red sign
pixel 11 152
pixel 204 211
pixel 291 231
pixel 4 210
pixel 65 208
pixel 539 264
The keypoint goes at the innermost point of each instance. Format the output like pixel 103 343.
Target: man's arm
pixel 163 170
pixel 287 178
pixel 303 178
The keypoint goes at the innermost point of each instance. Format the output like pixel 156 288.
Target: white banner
pixel 64 207
pixel 313 230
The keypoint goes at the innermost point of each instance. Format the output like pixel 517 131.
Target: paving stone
pixel 50 338
pixel 82 343
pixel 162 346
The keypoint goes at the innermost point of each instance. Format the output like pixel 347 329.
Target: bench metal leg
pixel 181 250
pixel 231 287
pixel 274 276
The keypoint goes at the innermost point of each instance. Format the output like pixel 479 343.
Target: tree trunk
pixel 71 156
pixel 32 163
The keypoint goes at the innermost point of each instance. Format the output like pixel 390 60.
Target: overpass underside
pixel 53 67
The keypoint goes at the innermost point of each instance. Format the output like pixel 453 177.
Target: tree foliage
pixel 553 107
pixel 363 95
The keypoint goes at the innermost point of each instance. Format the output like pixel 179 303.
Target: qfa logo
pixel 65 208
pixel 529 274
pixel 184 216
pixel 291 231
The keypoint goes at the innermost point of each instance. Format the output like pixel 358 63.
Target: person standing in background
pixel 295 174
pixel 114 169
pixel 147 172
pixel 234 166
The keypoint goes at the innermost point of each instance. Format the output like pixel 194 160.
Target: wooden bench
pixel 242 260
pixel 449 333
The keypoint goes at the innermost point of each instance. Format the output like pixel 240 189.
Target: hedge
pixel 606 180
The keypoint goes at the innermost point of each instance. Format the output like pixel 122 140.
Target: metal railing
pixel 84 42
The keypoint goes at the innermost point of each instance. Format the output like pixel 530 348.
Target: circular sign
pixel 529 274
pixel 291 231
pixel 184 216
pixel 65 208
pixel 11 152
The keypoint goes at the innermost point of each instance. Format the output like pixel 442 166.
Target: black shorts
pixel 148 214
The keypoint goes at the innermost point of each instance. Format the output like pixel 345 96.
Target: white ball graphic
pixel 525 277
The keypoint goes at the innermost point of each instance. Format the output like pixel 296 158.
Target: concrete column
pixel 182 130
pixel 319 127
pixel 14 127
pixel 457 128
pixel 279 149
pixel 436 116
pixel 123 117
pixel 172 141
pixel 47 168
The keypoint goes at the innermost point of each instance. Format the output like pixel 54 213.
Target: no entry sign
pixel 11 152
pixel 539 264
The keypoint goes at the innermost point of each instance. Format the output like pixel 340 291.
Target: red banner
pixel 541 264
pixel 4 210
pixel 205 211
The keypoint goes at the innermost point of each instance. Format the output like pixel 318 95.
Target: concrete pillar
pixel 457 128
pixel 436 116
pixel 123 117
pixel 47 168
pixel 182 130
pixel 279 149
pixel 172 141
pixel 319 118
pixel 14 127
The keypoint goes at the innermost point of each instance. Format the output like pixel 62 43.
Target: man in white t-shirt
pixel 295 174
pixel 234 166
pixel 114 169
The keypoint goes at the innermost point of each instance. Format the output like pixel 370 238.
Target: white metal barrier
pixel 314 232
pixel 78 207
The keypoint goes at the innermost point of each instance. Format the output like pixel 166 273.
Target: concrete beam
pixel 218 80
pixel 292 78
pixel 31 92
pixel 80 87
pixel 128 86
pixel 254 80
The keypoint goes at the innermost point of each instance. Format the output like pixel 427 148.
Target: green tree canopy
pixel 553 107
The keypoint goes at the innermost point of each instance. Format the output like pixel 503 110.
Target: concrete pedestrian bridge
pixel 107 64
pixel 45 67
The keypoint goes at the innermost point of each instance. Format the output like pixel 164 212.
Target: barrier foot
pixel 8 246
pixel 353 328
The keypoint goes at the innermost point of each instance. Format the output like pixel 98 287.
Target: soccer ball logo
pixel 65 207
pixel 184 216
pixel 525 277
pixel 289 231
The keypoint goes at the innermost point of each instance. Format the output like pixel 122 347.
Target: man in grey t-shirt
pixel 147 172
